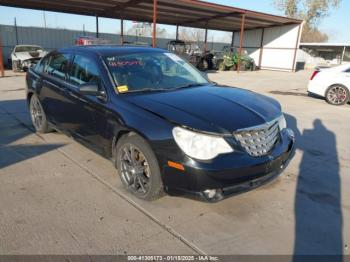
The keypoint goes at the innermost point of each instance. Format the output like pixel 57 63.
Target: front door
pixel 87 118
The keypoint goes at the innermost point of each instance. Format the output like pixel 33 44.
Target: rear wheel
pixel 337 95
pixel 38 115
pixel 138 167
pixel 203 65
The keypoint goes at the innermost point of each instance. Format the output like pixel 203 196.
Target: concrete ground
pixel 58 197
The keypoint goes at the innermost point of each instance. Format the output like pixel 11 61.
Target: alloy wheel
pixel 135 171
pixel 36 113
pixel 337 95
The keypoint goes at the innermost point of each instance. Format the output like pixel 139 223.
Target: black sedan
pixel 166 127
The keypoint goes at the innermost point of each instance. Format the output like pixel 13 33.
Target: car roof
pixel 109 50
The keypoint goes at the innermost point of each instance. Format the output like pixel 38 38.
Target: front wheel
pixel 14 66
pixel 337 95
pixel 138 167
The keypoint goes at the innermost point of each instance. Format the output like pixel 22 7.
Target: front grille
pixel 258 140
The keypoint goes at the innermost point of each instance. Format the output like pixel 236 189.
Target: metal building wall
pixel 51 39
pixel 272 48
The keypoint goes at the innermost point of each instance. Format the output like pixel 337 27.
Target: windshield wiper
pixel 148 90
pixel 190 85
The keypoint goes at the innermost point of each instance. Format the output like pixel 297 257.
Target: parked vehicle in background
pixel 202 60
pixel 136 43
pixel 24 56
pixel 331 83
pixel 229 60
pixel 90 40
pixel 164 125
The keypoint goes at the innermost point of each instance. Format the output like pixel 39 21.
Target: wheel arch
pixel 337 84
pixel 123 132
pixel 29 96
pixel 341 85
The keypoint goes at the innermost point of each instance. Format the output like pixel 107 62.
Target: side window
pixel 84 70
pixel 39 68
pixel 58 65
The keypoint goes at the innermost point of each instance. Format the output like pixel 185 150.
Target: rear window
pixel 58 65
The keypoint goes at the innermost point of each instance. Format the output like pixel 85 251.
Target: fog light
pixel 210 193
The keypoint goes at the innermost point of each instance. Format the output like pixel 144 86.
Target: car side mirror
pixel 91 89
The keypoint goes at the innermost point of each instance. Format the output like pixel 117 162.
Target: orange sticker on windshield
pixel 122 89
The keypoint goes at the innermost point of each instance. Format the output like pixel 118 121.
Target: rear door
pixel 54 87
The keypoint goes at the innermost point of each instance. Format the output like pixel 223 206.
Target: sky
pixel 336 25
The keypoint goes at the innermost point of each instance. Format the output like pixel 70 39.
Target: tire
pixel 233 68
pixel 205 65
pixel 202 65
pixel 138 167
pixel 253 67
pixel 38 115
pixel 210 63
pixel 222 67
pixel 14 66
pixel 337 95
pixel 9 64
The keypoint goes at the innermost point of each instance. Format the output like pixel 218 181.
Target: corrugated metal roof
pixel 191 13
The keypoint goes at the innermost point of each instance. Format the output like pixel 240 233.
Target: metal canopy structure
pixel 190 13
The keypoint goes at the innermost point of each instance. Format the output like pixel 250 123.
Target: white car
pixel 331 83
pixel 23 56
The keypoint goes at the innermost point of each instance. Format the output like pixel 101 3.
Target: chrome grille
pixel 259 140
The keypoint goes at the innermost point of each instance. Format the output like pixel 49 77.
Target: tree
pixel 145 30
pixel 312 12
pixel 191 34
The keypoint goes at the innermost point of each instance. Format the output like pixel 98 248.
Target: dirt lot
pixel 57 197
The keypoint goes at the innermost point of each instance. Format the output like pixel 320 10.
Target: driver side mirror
pixel 92 89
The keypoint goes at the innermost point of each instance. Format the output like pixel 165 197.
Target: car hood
pixel 214 109
pixel 29 55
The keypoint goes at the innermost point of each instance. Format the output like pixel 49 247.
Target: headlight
pixel 200 146
pixel 282 122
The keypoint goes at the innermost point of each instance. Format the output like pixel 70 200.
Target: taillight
pixel 79 41
pixel 314 74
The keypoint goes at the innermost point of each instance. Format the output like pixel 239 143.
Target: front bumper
pixel 229 174
pixel 25 64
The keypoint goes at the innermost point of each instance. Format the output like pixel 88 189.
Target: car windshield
pixel 28 48
pixel 154 71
